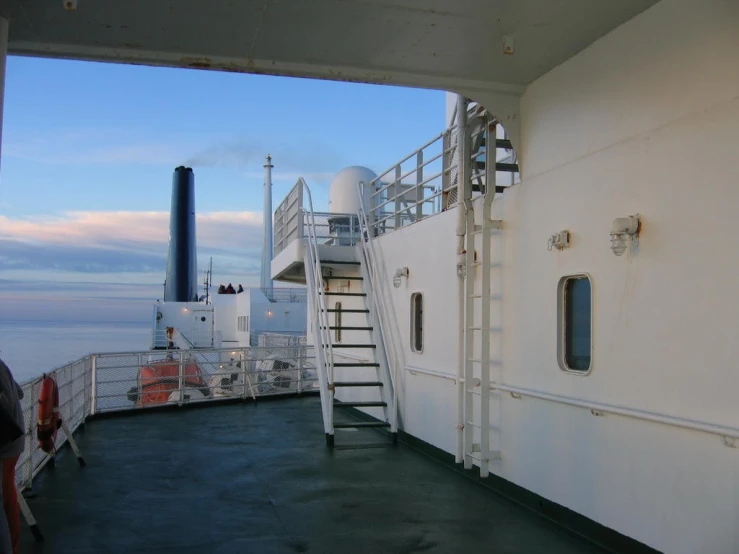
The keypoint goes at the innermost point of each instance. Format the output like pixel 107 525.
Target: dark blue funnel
pixel 182 264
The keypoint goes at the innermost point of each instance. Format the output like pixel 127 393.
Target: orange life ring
pixel 49 420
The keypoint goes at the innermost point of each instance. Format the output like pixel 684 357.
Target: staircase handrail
pixel 324 354
pixel 378 296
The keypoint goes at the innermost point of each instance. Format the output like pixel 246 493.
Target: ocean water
pixel 32 347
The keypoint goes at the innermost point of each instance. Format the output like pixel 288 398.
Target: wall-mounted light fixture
pixel 560 240
pixel 269 313
pixel 624 231
pixel 399 274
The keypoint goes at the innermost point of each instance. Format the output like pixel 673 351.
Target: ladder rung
pixel 361 424
pixel 340 328
pixel 492 362
pixel 347 311
pixel 356 364
pixel 338 262
pixel 358 383
pixel 361 404
pixel 474 296
pixel 354 345
pixel 330 293
pixel 493 455
pixel 343 278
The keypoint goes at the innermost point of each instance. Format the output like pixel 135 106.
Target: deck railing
pixel 335 229
pixel 110 382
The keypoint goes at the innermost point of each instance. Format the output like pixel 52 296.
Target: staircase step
pixel 503 143
pixel 356 364
pixel 361 425
pixel 343 278
pixel 358 383
pixel 343 328
pixel 329 293
pixel 339 345
pixel 347 311
pixel 511 168
pixel 361 404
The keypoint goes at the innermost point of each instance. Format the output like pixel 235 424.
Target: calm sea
pixel 32 347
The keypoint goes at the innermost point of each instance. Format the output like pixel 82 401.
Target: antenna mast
pixel 266 281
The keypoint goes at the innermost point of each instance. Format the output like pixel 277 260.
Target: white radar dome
pixel 343 194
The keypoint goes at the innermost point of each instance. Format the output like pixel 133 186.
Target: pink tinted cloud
pixel 135 229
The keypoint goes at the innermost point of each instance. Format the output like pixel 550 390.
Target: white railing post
pixel 29 434
pixel 93 384
pixel 316 290
pixel 419 185
pixel 182 378
pixel 377 295
pixel 398 197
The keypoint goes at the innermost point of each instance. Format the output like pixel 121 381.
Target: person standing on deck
pixel 10 519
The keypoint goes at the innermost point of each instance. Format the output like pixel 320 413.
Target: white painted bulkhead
pixel 646 120
pixel 239 316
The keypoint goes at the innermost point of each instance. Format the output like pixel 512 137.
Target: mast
pixel 266 281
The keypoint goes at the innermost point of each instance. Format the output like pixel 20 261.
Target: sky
pixel 88 152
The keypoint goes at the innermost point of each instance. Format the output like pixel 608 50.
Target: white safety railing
pixel 193 338
pixel 319 310
pixel 416 187
pixel 293 295
pixel 74 382
pixel 124 381
pixel 383 311
pixel 288 219
pixel 425 182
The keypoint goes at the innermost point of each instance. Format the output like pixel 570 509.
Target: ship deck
pixel 259 478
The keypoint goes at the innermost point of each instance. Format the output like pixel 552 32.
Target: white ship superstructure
pixel 544 294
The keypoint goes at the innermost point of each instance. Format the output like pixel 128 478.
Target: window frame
pixel 561 324
pixel 414 334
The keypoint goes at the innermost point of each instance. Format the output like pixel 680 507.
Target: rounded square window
pixel 575 328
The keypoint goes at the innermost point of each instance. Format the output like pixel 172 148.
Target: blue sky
pixel 87 159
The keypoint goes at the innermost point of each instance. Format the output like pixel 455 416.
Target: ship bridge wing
pixel 456 45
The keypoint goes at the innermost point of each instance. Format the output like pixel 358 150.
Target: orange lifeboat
pixel 49 420
pixel 158 380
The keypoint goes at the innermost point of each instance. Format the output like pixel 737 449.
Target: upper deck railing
pixel 331 229
pixel 110 382
pixel 422 184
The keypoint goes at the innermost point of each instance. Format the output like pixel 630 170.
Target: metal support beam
pixel 3 58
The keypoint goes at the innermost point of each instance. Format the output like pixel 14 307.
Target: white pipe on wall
pixel 461 113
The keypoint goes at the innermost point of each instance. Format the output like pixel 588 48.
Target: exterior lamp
pixel 624 230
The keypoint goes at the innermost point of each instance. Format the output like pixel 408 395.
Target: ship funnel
pixel 182 265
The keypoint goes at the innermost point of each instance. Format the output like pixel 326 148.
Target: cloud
pixel 105 245
pixel 140 230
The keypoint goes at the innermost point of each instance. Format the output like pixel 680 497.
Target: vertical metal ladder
pixel 481 295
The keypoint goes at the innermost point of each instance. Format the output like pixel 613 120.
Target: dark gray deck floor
pixel 259 478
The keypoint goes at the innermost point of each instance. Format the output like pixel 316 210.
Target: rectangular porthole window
pixel 417 322
pixel 575 329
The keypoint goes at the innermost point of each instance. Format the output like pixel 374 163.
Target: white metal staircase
pixel 335 368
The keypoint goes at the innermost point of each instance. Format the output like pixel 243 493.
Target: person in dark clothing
pixel 230 289
pixel 240 290
pixel 10 517
pixel 221 290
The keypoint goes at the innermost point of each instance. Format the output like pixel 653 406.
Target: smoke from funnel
pixel 181 280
